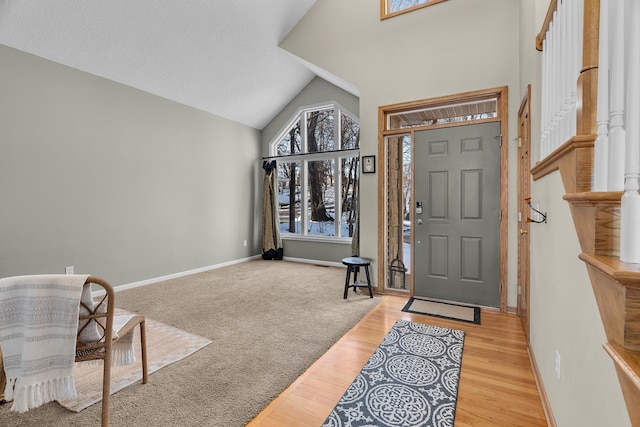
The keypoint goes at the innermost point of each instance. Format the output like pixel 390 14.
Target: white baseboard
pixel 211 267
pixel 181 274
pixel 546 405
pixel 315 262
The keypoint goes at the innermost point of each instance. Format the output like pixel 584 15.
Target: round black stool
pixel 354 263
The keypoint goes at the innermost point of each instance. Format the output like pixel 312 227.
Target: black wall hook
pixel 544 215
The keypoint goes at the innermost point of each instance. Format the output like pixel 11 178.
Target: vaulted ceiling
pixel 218 56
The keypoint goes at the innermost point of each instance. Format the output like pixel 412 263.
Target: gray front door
pixel 457 214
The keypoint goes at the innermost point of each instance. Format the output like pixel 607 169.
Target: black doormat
pixel 445 310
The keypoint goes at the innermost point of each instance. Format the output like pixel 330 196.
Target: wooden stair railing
pixel 616 285
pixel 596 216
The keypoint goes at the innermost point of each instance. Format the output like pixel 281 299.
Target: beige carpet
pixel 165 345
pixel 268 320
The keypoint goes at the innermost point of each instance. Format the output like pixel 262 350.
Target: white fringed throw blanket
pixel 122 351
pixel 38 328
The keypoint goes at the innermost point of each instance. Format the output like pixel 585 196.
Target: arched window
pixel 317 154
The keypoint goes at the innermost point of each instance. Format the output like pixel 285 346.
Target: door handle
pixel 523 231
pixel 419 221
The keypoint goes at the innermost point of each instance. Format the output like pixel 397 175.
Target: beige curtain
pixel 271 240
pixel 355 239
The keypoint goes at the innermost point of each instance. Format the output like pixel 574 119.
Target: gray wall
pixel 117 182
pixel 564 313
pixel 316 92
pixel 453 47
pixel 448 48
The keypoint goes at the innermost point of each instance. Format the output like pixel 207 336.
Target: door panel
pixel 457 232
pixel 438 195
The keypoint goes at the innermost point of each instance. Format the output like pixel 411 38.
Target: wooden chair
pixel 96 336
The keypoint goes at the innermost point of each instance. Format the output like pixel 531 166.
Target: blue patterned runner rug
pixel 410 380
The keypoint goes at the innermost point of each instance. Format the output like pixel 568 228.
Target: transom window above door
pixel 451 113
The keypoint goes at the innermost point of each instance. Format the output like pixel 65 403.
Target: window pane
pixel 320 131
pixel 466 111
pixel 350 132
pixel 398 5
pixel 290 144
pixel 289 197
pixel 406 191
pixel 399 206
pixel 321 207
pixel 349 194
pixel 317 197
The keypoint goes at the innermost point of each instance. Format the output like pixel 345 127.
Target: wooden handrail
pixel 553 6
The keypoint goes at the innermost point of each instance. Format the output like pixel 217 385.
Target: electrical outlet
pixel 68 270
pixel 557 365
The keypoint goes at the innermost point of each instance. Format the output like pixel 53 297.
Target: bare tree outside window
pixel 350 191
pixel 289 196
pixel 319 139
pixel 318 174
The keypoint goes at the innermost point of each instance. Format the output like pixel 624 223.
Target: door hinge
pixel 500 137
pixel 500 215
pixel 519 142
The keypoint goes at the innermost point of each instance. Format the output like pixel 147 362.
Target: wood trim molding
pixel 594 198
pixel 403 131
pixel 546 405
pixel 502 94
pixel 382 172
pixel 503 108
pixel 442 101
pixel 552 162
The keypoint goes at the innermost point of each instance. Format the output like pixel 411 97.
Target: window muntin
pixel 389 8
pixel 322 164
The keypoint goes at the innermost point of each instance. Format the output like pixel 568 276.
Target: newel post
pixel 588 78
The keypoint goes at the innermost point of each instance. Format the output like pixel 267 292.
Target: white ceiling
pixel 218 56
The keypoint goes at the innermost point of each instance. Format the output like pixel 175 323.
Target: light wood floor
pixel 497 386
